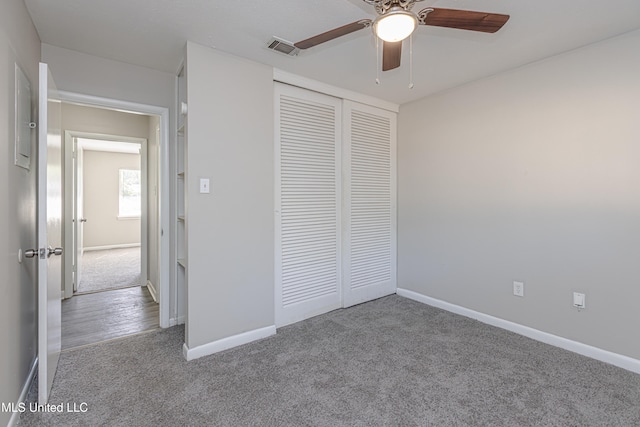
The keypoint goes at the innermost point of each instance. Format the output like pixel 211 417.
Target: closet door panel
pixel 308 252
pixel 369 211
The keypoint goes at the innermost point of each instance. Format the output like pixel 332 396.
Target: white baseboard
pixel 177 321
pixel 105 247
pixel 227 343
pixel 606 356
pixel 15 417
pixel 152 290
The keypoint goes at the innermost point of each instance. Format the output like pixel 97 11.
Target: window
pixel 130 200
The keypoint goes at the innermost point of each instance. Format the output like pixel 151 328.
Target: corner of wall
pixel 227 343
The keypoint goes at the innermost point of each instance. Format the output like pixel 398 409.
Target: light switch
pixel 204 185
pixel 578 300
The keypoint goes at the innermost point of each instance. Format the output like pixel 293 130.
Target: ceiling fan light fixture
pixel 395 25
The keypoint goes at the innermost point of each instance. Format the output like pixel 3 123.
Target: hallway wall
pixel 82 118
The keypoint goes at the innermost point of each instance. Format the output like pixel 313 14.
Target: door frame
pixel 164 213
pixel 70 146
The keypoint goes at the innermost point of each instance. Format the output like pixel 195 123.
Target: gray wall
pixel 19 43
pixel 101 204
pixel 530 175
pixel 230 230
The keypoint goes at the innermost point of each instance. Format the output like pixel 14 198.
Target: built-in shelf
pixel 182 256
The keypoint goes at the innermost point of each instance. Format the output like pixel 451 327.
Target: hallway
pixel 102 316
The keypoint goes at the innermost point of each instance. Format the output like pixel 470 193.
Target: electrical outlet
pixel 518 289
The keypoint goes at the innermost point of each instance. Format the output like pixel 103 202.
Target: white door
pixel 369 209
pixel 307 204
pixel 78 173
pixel 49 234
pixel 74 223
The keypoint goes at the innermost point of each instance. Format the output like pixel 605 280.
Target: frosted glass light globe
pixel 395 25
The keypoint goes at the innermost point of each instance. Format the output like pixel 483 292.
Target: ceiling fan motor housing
pixel 384 6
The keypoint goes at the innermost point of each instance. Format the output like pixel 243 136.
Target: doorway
pixel 109 227
pixel 111 224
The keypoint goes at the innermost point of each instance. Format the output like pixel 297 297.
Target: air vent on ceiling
pixel 283 46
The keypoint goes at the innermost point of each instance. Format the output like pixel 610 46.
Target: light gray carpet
pixel 110 269
pixel 390 362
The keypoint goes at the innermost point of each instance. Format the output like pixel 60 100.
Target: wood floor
pixel 101 316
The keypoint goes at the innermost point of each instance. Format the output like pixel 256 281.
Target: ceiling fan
pixel 396 21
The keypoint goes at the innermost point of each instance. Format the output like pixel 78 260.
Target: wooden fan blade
pixel 465 19
pixel 391 54
pixel 333 34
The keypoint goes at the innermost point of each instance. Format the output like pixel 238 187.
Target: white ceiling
pixel 152 33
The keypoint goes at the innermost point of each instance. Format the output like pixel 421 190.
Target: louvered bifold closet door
pixel 307 204
pixel 369 159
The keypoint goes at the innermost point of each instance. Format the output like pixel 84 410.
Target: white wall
pixel 230 230
pixel 530 175
pixel 101 200
pixel 19 43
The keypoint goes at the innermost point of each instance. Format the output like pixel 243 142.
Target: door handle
pixel 31 253
pixel 52 251
pixel 83 219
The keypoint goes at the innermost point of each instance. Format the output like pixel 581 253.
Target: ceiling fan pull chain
pixel 377 60
pixel 411 61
